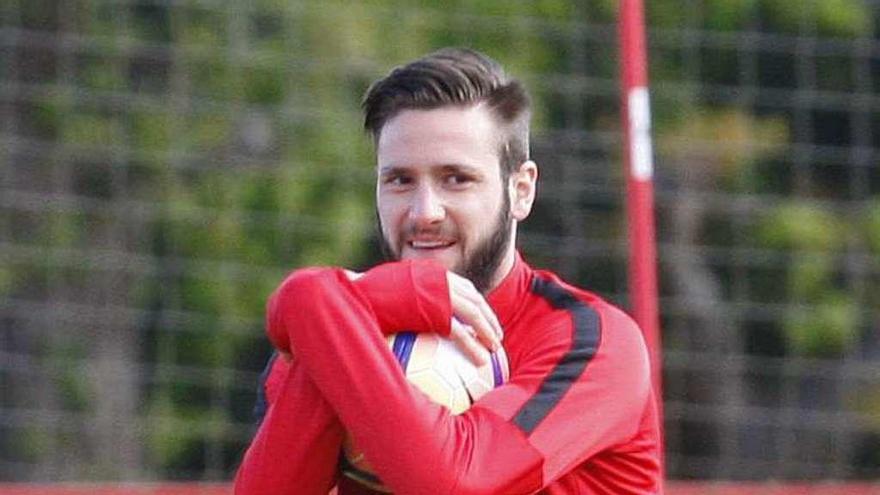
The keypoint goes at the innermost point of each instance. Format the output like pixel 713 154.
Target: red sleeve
pixel 515 439
pixel 403 296
pixel 570 412
pixel 400 295
pixel 296 448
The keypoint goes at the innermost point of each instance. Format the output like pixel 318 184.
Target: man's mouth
pixel 429 245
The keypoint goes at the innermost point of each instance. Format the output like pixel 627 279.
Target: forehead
pixel 441 136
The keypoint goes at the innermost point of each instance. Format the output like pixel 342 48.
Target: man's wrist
pixel 410 295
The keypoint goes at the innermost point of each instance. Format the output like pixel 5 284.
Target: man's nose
pixel 427 207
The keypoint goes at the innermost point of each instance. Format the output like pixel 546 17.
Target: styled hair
pixel 455 77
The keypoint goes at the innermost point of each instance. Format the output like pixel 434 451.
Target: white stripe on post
pixel 641 151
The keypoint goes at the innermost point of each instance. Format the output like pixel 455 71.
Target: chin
pixel 450 261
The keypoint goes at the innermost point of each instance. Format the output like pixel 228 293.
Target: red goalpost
pixel 639 167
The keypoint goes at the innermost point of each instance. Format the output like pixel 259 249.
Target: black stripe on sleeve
pixel 262 404
pixel 587 334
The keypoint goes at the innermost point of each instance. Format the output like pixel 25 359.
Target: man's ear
pixel 523 187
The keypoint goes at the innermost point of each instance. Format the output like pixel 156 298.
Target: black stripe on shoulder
pixel 587 334
pixel 262 403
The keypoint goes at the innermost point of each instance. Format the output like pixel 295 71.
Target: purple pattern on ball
pixel 402 348
pixel 496 370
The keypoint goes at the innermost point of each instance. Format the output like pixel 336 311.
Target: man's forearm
pixel 415 445
pixel 296 448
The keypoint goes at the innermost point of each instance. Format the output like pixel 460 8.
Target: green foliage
pixel 264 86
pixel 606 10
pixel 810 275
pixel 839 18
pixel 846 18
pixel 73 391
pixel 47 114
pixel 149 23
pixel 825 327
pixel 195 26
pixel 721 147
pixel 867 401
pixel 872 225
pixel 64 230
pixel 32 443
pixel 150 130
pixel 207 130
pixel 210 78
pixel 38 14
pixel 175 429
pixel 86 127
pixel 99 72
pixel 824 320
pixel 729 15
pixel 6 279
pixel 666 14
pixel 97 17
pixel 801 227
pixel 560 10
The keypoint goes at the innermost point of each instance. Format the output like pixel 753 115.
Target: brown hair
pixel 455 76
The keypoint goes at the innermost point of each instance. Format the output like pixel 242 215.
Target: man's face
pixel 439 191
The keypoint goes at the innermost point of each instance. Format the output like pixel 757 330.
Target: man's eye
pixel 458 179
pixel 397 180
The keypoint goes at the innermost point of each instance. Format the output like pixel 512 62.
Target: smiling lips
pixel 426 240
pixel 429 244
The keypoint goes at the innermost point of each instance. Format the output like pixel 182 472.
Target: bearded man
pixel 454 180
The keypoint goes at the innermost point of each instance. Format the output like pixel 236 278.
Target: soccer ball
pixel 439 369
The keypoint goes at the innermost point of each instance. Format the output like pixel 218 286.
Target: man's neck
pixel 506 265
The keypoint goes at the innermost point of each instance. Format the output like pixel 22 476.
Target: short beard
pixel 481 266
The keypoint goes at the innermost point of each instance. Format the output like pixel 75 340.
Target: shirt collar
pixel 506 299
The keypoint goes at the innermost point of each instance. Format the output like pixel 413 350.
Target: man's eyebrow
pixel 460 167
pixel 444 168
pixel 391 169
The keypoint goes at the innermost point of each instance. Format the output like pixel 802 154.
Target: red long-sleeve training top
pixel 576 417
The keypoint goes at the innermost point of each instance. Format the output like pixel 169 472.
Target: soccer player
pixel 454 180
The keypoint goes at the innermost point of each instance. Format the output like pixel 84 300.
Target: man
pixel 454 180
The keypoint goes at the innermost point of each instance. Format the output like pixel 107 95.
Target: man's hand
pixel 475 327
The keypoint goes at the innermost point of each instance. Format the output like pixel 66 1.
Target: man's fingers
pixel 465 289
pixel 469 314
pixel 472 309
pixel 465 339
pixel 485 311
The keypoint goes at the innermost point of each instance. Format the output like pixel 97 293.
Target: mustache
pixel 443 230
